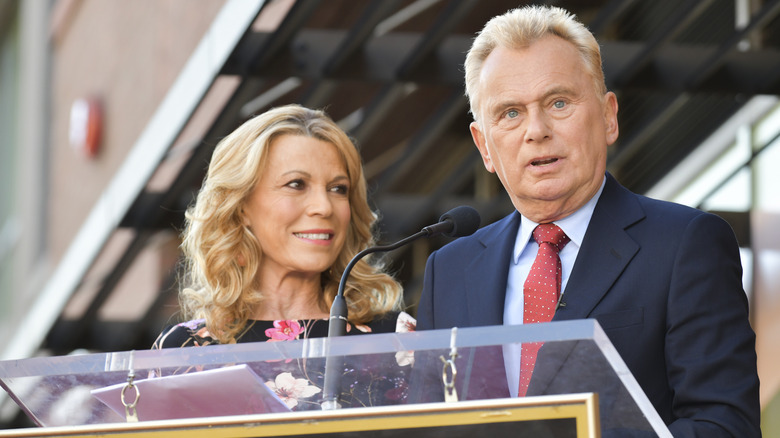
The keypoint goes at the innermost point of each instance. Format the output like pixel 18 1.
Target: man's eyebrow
pixel 498 107
pixel 559 90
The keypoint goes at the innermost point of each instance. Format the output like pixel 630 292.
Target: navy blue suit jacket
pixel 665 283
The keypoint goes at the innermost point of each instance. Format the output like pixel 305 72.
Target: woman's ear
pixel 244 218
pixel 240 258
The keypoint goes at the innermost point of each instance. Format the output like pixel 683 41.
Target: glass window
pixel 725 185
pixel 9 84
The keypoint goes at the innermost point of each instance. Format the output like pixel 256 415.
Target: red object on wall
pixel 86 125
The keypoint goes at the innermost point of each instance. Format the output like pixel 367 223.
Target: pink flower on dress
pixel 284 330
pixel 290 389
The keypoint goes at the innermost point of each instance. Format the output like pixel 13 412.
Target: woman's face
pixel 299 210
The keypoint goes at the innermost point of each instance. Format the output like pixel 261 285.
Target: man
pixel 663 280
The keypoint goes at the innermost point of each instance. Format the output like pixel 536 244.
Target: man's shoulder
pixel 485 235
pixel 619 201
pixel 672 212
pixel 660 204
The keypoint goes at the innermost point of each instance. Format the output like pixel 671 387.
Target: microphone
pixel 458 222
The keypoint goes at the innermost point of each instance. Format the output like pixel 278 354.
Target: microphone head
pixel 465 221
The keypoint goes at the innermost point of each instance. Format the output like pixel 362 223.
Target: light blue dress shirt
pixel 523 257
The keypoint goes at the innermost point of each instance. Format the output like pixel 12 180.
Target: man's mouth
pixel 543 162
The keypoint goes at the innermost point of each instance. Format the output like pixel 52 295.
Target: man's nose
pixel 537 126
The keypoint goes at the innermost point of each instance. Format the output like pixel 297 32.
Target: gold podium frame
pixel 403 419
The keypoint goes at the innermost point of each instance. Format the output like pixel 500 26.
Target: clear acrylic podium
pixel 403 385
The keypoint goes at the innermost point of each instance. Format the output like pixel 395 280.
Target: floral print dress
pixel 299 382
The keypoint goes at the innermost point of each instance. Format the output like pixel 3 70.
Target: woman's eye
pixel 512 114
pixel 340 189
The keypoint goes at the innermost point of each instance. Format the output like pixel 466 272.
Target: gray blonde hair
pixel 519 28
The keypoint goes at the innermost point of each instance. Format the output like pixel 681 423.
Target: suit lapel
pixel 605 252
pixel 488 271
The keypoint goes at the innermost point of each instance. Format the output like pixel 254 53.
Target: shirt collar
pixel 575 225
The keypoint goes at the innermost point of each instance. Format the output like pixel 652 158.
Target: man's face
pixel 542 128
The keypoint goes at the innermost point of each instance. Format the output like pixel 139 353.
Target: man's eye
pixel 512 114
pixel 559 104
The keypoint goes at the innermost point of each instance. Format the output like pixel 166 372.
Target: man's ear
pixel 479 139
pixel 610 117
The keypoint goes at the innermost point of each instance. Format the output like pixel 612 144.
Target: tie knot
pixel 552 234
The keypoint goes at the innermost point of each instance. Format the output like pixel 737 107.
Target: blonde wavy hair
pixel 219 287
pixel 521 27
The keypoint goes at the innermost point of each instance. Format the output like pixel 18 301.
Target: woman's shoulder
pixel 186 334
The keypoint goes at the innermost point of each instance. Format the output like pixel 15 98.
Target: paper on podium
pixel 233 390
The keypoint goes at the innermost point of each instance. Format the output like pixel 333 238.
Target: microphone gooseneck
pixel 458 222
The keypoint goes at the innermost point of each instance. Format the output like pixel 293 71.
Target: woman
pixel 282 211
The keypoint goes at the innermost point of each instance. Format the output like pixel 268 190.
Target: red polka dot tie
pixel 540 292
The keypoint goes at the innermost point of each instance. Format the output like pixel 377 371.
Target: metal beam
pixel 281 37
pixel 685 13
pixel 639 137
pixel 425 138
pixel 766 14
pixel 433 38
pixel 362 31
pixel 752 72
pixel 607 14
